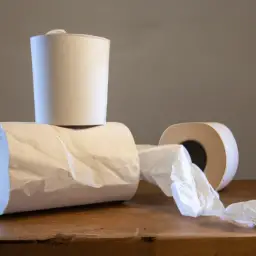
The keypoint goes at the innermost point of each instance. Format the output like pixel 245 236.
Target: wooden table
pixel 150 224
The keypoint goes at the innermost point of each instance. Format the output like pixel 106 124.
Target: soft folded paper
pixel 171 169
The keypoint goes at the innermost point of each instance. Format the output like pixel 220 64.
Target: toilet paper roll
pixel 211 146
pixel 43 166
pixel 70 78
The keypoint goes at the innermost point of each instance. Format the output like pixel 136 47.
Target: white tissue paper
pixel 170 167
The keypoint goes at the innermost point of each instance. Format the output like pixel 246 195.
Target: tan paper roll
pixel 70 78
pixel 43 166
pixel 211 146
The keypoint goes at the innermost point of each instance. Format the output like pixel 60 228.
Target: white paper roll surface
pixel 43 166
pixel 70 77
pixel 212 147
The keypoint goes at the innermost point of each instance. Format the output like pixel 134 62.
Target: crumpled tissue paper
pixel 171 169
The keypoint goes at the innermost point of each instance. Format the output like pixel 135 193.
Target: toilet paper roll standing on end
pixel 44 166
pixel 211 146
pixel 70 78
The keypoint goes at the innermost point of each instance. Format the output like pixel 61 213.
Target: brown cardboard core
pixel 197 153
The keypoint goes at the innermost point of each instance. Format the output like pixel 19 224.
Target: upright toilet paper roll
pixel 211 146
pixel 43 166
pixel 70 77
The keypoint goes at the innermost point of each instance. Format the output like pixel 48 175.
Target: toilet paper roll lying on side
pixel 70 78
pixel 43 166
pixel 212 147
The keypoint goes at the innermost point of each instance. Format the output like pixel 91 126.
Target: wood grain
pixel 149 224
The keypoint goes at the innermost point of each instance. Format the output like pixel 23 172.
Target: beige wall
pixel 171 61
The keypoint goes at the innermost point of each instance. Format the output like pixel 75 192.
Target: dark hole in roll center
pixel 197 153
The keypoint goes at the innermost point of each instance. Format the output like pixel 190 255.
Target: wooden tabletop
pixel 150 224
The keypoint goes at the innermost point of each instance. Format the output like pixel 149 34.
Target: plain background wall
pixel 171 61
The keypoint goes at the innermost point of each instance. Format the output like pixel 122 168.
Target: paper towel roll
pixel 70 77
pixel 212 147
pixel 43 166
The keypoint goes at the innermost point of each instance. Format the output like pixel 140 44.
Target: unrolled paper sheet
pixel 43 166
pixel 170 167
